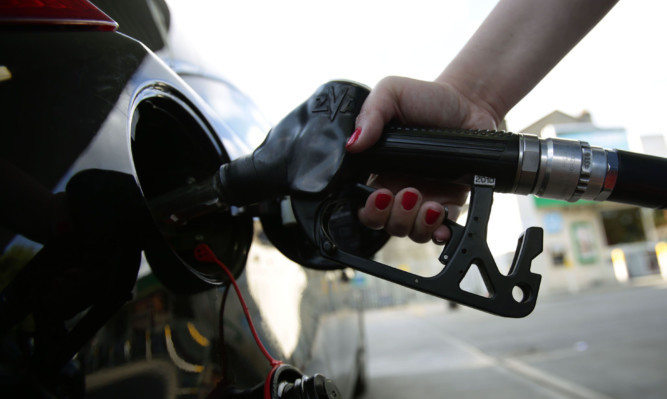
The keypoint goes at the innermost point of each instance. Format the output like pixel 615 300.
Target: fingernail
pixel 409 200
pixel 353 139
pixel 382 201
pixel 432 216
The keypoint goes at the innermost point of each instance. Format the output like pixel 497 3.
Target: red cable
pixel 203 253
pixel 221 332
pixel 267 384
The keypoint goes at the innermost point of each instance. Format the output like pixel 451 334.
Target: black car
pixel 103 298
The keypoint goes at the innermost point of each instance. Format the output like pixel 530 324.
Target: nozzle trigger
pixel 466 248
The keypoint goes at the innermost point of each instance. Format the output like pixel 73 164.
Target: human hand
pixel 414 207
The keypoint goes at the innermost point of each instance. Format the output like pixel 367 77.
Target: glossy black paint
pixel 97 104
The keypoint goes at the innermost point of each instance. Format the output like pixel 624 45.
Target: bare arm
pixel 514 48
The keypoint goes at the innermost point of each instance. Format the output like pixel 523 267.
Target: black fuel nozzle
pixel 178 207
pixel 304 166
pixel 302 154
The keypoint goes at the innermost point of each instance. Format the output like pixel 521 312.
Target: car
pixel 101 116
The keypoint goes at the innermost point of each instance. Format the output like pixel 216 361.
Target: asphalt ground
pixel 606 343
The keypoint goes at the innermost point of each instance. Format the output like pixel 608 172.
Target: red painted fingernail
pixel 382 201
pixel 353 139
pixel 432 216
pixel 409 200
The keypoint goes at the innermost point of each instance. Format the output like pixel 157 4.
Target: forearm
pixel 516 46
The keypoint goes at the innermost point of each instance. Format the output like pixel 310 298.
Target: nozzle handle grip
pixel 454 155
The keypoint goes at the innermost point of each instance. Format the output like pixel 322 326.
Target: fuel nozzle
pixel 178 207
pixel 303 162
pixel 302 155
pixel 554 168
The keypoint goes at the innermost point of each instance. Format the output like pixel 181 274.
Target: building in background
pixel 590 243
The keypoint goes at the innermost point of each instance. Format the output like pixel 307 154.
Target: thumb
pixel 368 131
pixel 378 109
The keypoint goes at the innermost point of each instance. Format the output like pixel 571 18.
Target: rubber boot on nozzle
pixel 302 153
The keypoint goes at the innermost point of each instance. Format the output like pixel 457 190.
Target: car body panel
pixel 79 107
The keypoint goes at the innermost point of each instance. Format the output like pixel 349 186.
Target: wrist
pixel 482 108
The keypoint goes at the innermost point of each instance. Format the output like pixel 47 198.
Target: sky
pixel 280 52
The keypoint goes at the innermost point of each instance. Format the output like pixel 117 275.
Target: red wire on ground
pixel 221 333
pixel 203 253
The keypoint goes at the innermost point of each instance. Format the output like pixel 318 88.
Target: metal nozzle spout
pixel 178 207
